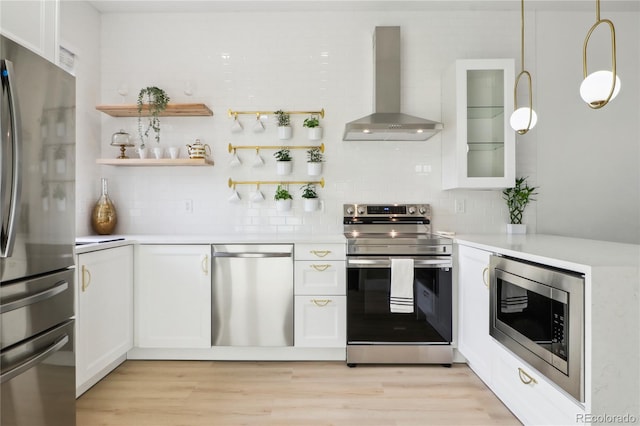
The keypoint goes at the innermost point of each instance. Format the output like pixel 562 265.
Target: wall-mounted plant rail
pixel 233 183
pixel 234 114
pixel 232 148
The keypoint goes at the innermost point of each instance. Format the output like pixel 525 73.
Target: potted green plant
pixel 283 199
pixel 314 131
pixel 517 199
pixel 284 164
pixel 284 125
pixel 314 161
pixel 155 100
pixel 310 196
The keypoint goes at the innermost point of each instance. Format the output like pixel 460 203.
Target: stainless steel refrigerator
pixel 37 192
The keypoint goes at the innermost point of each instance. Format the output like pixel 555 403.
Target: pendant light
pixel 523 119
pixel 600 87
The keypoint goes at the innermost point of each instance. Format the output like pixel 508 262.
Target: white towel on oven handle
pixel 401 292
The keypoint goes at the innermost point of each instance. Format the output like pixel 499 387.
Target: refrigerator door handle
pixel 11 141
pixel 58 288
pixel 34 360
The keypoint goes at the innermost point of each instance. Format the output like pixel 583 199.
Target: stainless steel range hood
pixel 387 122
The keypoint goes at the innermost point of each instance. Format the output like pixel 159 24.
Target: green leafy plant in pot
pixel 310 196
pixel 284 165
pixel 314 161
pixel 314 132
pixel 283 199
pixel 284 124
pixel 156 101
pixel 517 199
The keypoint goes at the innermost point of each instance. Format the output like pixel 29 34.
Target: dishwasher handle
pixel 252 255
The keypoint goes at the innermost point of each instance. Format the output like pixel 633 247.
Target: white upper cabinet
pixel 33 24
pixel 478 145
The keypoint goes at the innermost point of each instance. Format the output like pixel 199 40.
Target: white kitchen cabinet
pixel 104 314
pixel 320 308
pixel 320 321
pixel 478 145
pixel 33 24
pixel 173 296
pixel 474 341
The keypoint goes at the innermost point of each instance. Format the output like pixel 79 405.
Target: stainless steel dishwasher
pixel 252 300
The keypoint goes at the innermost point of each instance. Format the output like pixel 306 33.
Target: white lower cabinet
pixel 320 321
pixel 474 342
pixel 104 314
pixel 320 308
pixel 173 296
pixel 527 393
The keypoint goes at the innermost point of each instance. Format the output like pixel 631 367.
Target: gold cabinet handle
pixel 320 268
pixel 525 378
pixel 320 253
pixel 86 278
pixel 205 264
pixel 321 302
pixel 485 277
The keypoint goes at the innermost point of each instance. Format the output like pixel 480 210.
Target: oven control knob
pixel 412 210
pixel 422 210
pixel 349 211
pixel 361 210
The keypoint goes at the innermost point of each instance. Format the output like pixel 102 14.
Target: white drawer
pixel 538 402
pixel 320 322
pixel 320 251
pixel 320 277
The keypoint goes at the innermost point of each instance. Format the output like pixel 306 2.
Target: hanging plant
pixel 157 101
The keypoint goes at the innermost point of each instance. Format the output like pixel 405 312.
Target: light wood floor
pixel 195 393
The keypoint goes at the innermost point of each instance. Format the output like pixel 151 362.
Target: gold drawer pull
pixel 525 378
pixel 320 253
pixel 320 268
pixel 485 277
pixel 321 302
pixel 85 282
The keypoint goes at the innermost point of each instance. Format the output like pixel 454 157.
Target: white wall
pixel 80 33
pixel 298 61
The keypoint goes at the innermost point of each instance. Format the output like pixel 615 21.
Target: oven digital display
pixel 386 209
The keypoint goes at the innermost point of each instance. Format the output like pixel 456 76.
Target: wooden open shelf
pixel 172 110
pixel 155 162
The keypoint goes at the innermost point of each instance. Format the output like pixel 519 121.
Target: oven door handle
pixel 436 262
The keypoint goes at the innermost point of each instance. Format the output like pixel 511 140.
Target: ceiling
pixel 177 6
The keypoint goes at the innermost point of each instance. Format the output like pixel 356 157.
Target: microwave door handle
pixel 10 143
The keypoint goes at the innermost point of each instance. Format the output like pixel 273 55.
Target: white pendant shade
pixel 520 119
pixel 595 88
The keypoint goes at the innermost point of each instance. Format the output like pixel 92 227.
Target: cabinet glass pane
pixel 485 123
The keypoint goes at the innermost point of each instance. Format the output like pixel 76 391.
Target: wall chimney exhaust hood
pixel 387 123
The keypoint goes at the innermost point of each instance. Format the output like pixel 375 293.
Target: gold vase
pixel 104 218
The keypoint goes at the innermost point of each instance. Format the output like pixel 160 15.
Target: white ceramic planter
pixel 284 167
pixel 311 204
pixel 283 205
pixel 516 228
pixel 314 169
pixel 314 133
pixel 284 132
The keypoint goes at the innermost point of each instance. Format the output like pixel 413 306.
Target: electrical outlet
pixel 459 206
pixel 188 206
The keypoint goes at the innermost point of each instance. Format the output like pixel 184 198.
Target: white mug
pixel 257 161
pixel 158 152
pixel 174 152
pixel 142 152
pixel 235 161
pixel 235 197
pixel 257 197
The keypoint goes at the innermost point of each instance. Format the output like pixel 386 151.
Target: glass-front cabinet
pixel 478 145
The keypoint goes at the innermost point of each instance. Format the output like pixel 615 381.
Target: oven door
pixel 369 317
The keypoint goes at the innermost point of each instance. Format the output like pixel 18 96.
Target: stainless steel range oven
pixel 399 286
pixel 538 313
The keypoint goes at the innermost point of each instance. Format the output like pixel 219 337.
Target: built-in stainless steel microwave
pixel 537 312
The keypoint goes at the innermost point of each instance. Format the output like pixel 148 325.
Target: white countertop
pixel 97 242
pixel 563 252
